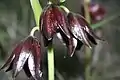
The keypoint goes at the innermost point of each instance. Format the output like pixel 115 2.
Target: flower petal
pixel 77 29
pixel 91 38
pixel 60 38
pixel 31 65
pixel 19 62
pixel 26 69
pixel 52 20
pixel 72 46
pixel 9 61
pixel 79 45
pixel 10 66
pixel 84 37
pixel 49 24
pixel 61 20
pixel 12 56
pixel 37 58
pixel 86 26
pixel 97 12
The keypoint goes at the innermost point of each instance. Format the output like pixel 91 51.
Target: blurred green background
pixel 16 21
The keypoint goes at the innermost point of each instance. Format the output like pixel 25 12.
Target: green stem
pixel 50 58
pixel 33 30
pixel 37 9
pixel 57 1
pixel 50 62
pixel 86 9
pixel 62 0
pixel 87 50
pixel 88 54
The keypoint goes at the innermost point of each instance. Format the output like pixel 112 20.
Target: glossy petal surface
pixel 20 63
pixel 81 30
pixel 52 21
pixel 77 29
pixel 27 56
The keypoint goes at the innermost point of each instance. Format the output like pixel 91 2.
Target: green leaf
pixel 37 9
pixel 62 1
pixel 103 22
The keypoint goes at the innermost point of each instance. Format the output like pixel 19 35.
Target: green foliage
pixel 105 21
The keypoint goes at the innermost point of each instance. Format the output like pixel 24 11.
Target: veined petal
pixel 72 46
pixel 91 38
pixel 19 63
pixel 10 66
pixel 8 62
pixel 84 37
pixel 52 21
pixel 49 23
pixel 26 69
pixel 37 58
pixel 61 20
pixel 84 24
pixel 15 52
pixel 31 66
pixel 77 29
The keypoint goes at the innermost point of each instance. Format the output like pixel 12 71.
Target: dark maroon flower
pixel 81 30
pixel 97 12
pixel 52 21
pixel 81 33
pixel 27 56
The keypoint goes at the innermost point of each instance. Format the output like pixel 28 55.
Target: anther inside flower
pixel 27 56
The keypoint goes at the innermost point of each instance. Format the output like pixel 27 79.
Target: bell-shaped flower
pixel 52 21
pixel 27 56
pixel 97 12
pixel 81 30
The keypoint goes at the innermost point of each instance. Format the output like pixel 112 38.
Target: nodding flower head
pixel 80 33
pixel 97 12
pixel 81 30
pixel 52 21
pixel 27 56
pixel 72 28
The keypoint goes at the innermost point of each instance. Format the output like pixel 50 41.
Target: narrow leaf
pixel 103 22
pixel 37 9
